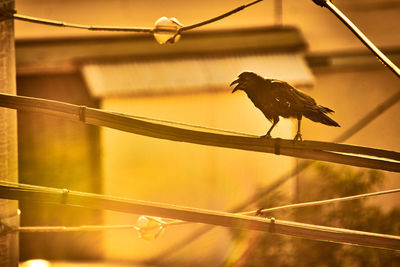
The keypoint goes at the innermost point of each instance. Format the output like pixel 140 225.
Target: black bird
pixel 277 98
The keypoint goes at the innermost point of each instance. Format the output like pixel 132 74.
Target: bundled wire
pixel 331 152
pixel 85 228
pixel 18 191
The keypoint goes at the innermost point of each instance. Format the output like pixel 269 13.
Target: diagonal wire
pixel 322 202
pixel 342 17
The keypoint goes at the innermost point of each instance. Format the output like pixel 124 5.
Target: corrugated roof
pixel 189 75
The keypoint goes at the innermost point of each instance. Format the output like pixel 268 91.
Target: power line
pixel 82 228
pixel 88 228
pixel 334 147
pixel 18 191
pixel 331 152
pixel 188 125
pixel 220 16
pixel 176 29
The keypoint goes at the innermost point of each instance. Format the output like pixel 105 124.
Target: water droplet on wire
pixel 166 30
pixel 149 228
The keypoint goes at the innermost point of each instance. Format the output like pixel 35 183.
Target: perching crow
pixel 277 98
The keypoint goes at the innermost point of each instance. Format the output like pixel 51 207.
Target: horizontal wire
pixel 316 150
pixel 90 228
pixel 174 29
pixel 39 189
pixel 82 228
pixel 11 190
pixel 391 155
pixel 344 150
pixel 86 27
pixel 194 126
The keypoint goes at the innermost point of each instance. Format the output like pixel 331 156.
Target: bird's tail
pixel 320 116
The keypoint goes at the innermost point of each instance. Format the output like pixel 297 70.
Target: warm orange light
pixel 36 263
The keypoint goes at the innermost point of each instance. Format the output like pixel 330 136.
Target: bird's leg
pixel 298 135
pixel 268 134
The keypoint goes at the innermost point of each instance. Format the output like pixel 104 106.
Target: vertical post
pixel 8 141
pixel 278 12
pixel 296 193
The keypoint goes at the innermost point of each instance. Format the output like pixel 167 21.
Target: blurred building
pixel 185 82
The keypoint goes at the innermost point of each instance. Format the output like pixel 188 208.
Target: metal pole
pixel 278 12
pixel 9 249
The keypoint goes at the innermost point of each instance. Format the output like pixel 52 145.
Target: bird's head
pixel 245 80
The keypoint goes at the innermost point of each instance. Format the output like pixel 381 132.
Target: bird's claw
pixel 259 212
pixel 298 137
pixel 268 136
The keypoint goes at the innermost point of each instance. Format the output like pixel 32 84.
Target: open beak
pixel 234 82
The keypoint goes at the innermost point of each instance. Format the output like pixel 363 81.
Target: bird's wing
pixel 287 96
